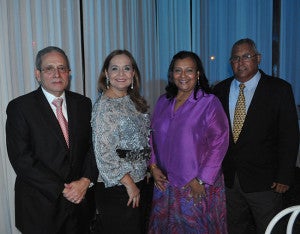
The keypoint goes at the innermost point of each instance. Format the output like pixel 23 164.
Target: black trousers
pixel 250 213
pixel 68 218
pixel 116 216
pixel 292 196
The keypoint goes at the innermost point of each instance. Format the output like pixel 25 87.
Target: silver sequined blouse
pixel 117 125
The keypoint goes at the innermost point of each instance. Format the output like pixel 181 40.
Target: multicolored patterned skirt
pixel 175 212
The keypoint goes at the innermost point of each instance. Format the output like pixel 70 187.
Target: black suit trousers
pixel 250 213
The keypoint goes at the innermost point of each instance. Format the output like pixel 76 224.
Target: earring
pixel 107 83
pixel 131 84
pixel 198 82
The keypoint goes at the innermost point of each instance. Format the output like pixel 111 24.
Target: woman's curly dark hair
pixel 172 89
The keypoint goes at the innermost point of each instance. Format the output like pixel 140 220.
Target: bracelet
pixel 152 166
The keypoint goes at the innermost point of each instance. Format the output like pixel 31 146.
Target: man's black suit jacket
pixel 267 147
pixel 41 159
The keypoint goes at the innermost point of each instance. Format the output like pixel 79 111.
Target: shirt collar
pixel 252 83
pixel 50 97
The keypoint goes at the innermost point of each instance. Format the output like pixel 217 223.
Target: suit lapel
pixel 225 102
pixel 257 98
pixel 226 97
pixel 72 112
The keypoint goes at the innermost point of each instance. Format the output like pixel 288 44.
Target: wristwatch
pixel 200 181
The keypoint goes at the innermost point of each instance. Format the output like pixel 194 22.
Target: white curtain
pixel 117 24
pixel 30 25
pixel 153 30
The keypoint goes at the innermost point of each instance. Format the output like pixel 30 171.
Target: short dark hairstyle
pixel 42 52
pixel 172 89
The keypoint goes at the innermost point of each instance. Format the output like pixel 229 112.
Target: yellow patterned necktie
pixel 239 114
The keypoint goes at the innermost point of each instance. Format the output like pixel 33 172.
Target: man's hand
pixel 279 188
pixel 75 191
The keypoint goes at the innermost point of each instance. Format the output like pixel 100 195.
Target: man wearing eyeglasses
pixel 49 146
pixel 260 161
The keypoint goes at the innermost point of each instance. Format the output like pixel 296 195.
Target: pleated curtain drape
pixel 153 30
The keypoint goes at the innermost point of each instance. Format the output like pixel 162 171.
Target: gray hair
pixel 42 52
pixel 248 41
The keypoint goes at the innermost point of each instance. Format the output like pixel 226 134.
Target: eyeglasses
pixel 244 58
pixel 51 70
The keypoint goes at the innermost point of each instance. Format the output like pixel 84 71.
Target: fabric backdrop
pixel 153 30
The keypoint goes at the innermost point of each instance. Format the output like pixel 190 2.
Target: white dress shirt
pixel 249 90
pixel 50 97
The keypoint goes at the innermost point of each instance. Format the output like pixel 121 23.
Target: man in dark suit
pixel 259 165
pixel 54 167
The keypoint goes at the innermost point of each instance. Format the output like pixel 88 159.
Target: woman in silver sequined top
pixel 121 129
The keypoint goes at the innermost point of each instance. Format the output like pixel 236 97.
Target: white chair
pixel 295 210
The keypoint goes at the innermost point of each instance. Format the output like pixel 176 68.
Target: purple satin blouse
pixel 190 142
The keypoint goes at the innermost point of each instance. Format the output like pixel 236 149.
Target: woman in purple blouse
pixel 189 141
